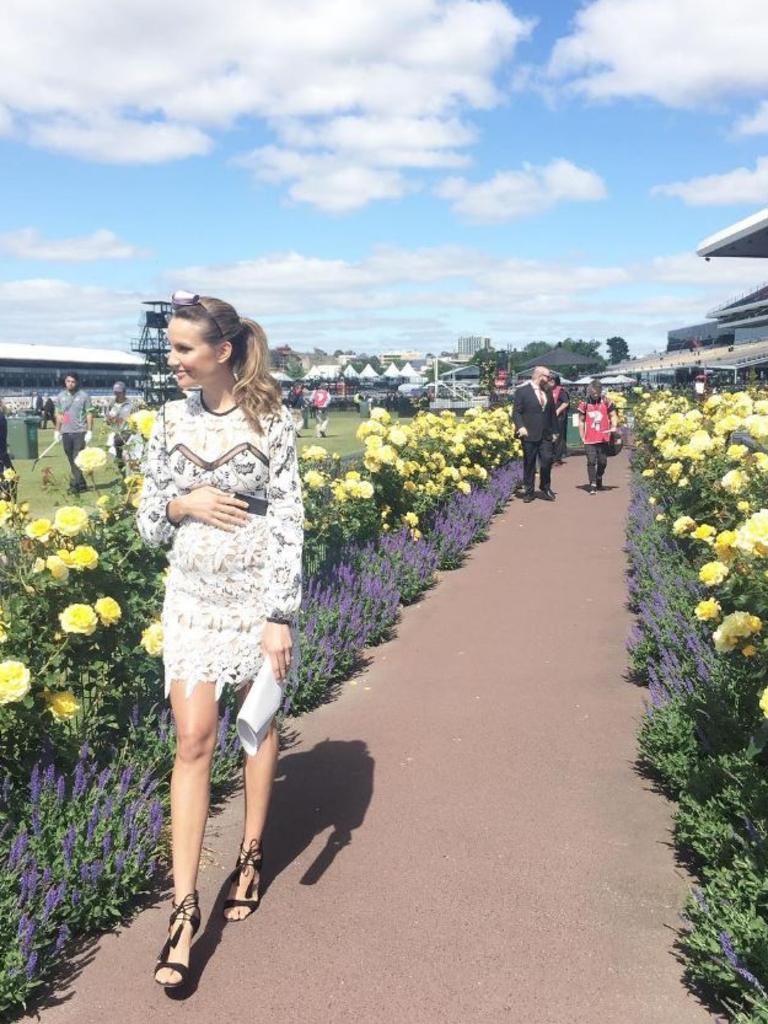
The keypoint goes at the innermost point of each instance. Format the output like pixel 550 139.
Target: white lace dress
pixel 223 586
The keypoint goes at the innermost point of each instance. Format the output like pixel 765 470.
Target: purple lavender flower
pixel 726 945
pixel 61 789
pixel 31 965
pixel 18 849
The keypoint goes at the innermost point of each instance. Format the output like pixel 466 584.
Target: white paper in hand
pixel 259 707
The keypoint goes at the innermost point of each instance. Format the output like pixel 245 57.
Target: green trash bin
pixel 22 437
pixel 365 409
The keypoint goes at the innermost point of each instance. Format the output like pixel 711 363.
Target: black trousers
pixel 560 449
pixel 533 451
pixel 73 444
pixel 597 459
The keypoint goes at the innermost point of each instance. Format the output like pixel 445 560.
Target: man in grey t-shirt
pixel 74 425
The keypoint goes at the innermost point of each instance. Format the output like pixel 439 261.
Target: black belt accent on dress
pixel 256 506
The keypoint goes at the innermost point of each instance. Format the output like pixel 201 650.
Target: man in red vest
pixel 598 419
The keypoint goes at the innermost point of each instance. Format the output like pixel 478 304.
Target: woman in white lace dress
pixel 222 487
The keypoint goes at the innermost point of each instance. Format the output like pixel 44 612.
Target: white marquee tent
pixel 368 373
pixel 350 373
pixel 392 372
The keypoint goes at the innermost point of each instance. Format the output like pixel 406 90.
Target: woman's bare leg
pixel 258 776
pixel 196 720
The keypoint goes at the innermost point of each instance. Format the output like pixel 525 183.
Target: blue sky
pixel 386 175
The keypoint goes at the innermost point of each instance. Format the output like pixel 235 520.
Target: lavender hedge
pixel 694 741
pixel 77 849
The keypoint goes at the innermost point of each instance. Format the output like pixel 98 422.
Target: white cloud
pixel 754 124
pixel 29 244
pixel 511 194
pixel 739 186
pixel 421 298
pixel 324 180
pixel 680 53
pixel 57 312
pixel 114 140
pixel 324 77
pixel 6 120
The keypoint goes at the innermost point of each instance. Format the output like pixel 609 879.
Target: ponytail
pixel 256 391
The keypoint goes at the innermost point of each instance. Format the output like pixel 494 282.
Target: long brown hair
pixel 256 391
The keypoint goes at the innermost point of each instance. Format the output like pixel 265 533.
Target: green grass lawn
pixel 45 487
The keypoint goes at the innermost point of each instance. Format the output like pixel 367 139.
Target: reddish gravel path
pixel 460 837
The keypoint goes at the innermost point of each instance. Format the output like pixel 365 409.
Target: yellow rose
pixel 649 473
pixel 91 459
pixel 40 529
pixel 365 489
pixel 749 651
pixel 79 618
pixel 713 573
pixel 411 519
pixel 6 511
pixel 38 565
pixel 398 437
pixel 61 703
pixel 352 475
pixel 464 487
pixel 56 567
pixel 10 475
pixel 734 481
pixel 70 520
pixel 314 480
pixel 380 415
pixel 108 610
pixel 652 501
pixel 314 452
pixel 14 681
pixel 764 702
pixel 152 639
pixel 707 610
pixel 683 524
pixel 704 532
pixel 142 420
pixel 84 557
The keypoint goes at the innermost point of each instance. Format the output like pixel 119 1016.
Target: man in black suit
pixel 535 419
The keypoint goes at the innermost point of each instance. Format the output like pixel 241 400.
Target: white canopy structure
pixel 408 372
pixel 281 377
pixel 368 373
pixel 392 372
pixel 350 373
pixel 748 237
pixel 617 378
pixel 323 371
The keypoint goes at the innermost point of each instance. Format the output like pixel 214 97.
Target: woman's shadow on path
pixel 327 787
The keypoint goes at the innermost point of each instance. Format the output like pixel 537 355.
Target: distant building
pixel 698 336
pixel 400 356
pixel 25 368
pixel 471 343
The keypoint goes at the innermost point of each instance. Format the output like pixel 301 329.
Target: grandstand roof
pixel 748 237
pixel 68 356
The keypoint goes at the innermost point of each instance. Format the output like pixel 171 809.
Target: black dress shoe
pixel 528 497
pixel 548 495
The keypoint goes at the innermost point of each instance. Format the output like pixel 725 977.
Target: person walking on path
pixel 533 414
pixel 222 486
pixel 562 402
pixel 598 419
pixel 117 418
pixel 74 426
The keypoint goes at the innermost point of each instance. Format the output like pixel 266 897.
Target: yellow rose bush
pixel 699 586
pixel 407 467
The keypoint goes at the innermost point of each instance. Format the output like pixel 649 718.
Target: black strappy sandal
pixel 250 857
pixel 186 911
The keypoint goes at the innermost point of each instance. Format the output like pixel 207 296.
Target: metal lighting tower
pixel 157 383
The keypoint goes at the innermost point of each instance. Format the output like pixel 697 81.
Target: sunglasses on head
pixel 181 298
